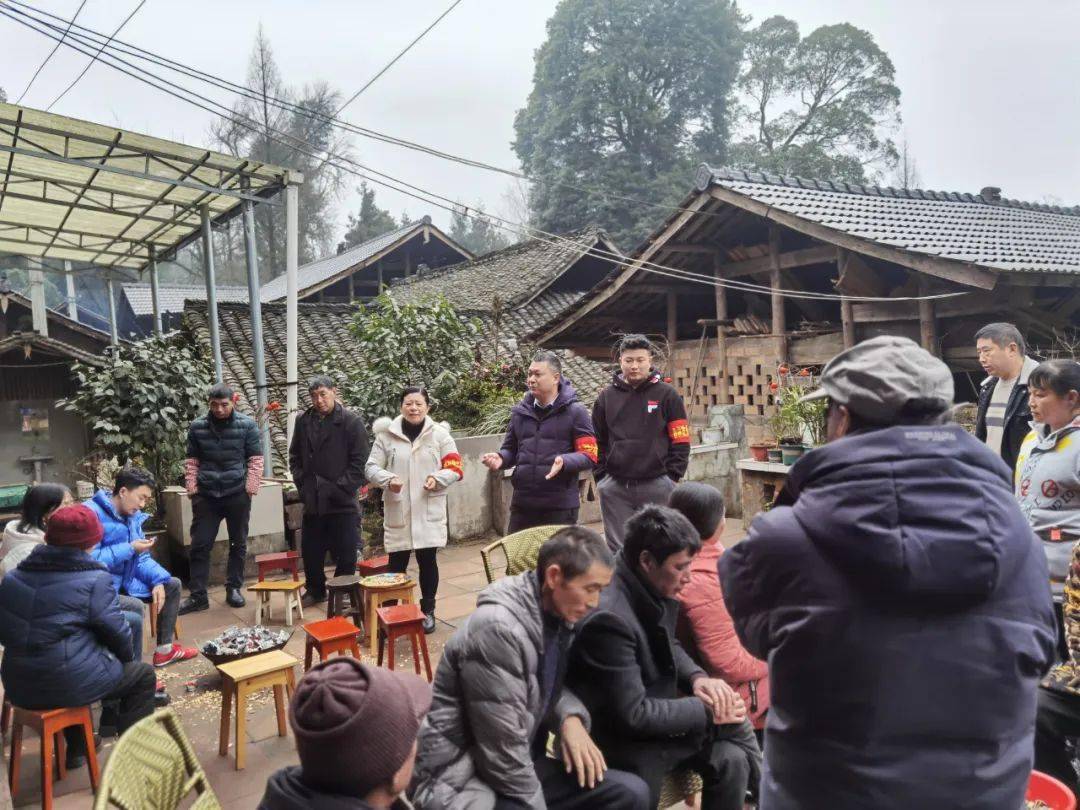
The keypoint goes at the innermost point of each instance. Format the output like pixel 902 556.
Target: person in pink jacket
pixel 705 626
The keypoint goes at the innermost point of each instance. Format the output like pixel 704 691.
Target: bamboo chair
pixel 154 765
pixel 520 549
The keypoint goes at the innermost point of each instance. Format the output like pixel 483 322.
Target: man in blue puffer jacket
pixel 66 643
pixel 901 601
pixel 550 440
pixel 137 577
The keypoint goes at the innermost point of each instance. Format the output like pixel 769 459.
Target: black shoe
pixel 311 599
pixel 161 699
pixel 109 719
pixel 233 597
pixel 429 623
pixel 192 605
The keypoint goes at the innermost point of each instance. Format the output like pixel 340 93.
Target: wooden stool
pixel 375 596
pixel 49 724
pixel 240 679
pixel 291 590
pixel 287 561
pixel 376 565
pixel 335 635
pixel 403 620
pixel 338 590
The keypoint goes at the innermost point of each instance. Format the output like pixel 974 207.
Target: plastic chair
pixel 1045 788
pixel 679 787
pixel 520 549
pixel 154 765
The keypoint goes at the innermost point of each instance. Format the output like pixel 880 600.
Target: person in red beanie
pixel 355 727
pixel 66 642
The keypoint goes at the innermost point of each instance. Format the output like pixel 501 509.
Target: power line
pixel 56 47
pixel 93 59
pixel 394 61
pixel 432 198
pixel 135 51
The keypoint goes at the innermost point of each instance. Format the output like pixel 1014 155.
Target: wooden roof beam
pixel 819 254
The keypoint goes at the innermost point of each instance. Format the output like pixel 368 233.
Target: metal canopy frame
pixel 83 192
pixel 75 191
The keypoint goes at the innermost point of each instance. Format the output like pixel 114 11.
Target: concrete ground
pixel 461 578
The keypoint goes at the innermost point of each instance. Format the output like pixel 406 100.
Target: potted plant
pixel 787 423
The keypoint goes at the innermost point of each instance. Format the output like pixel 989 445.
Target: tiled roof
pixel 513 275
pixel 322 327
pixel 1003 235
pixel 49 345
pixel 171 297
pixel 321 270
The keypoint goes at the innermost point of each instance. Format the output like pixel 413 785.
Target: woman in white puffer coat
pixel 414 460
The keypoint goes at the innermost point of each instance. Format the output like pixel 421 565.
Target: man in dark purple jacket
pixel 901 601
pixel 550 440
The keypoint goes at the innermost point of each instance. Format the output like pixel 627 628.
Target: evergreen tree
pixel 369 222
pixel 476 232
pixel 627 98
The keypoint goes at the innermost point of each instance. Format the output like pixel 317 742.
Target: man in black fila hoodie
pixel 643 437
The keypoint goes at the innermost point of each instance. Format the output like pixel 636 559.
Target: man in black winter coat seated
pixel 653 709
pixel 66 642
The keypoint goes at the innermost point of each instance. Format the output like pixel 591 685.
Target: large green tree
pixel 627 98
pixel 367 223
pixel 819 106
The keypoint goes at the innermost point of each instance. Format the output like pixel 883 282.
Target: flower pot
pixel 774 455
pixel 759 452
pixel 790 453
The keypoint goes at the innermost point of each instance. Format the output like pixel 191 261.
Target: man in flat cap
pixel 901 601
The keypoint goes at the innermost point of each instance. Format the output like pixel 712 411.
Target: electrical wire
pixel 416 192
pixel 394 61
pixel 135 51
pixel 93 59
pixel 56 47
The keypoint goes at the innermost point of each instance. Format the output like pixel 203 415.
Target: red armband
pixel 452 461
pixel 678 430
pixel 587 445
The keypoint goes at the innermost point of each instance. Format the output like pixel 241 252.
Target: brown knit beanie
pixel 74 526
pixel 355 725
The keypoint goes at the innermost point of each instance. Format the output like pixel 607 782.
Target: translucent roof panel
pixel 71 189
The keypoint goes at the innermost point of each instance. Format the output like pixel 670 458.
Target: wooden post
pixel 378 266
pixel 927 324
pixel 779 324
pixel 672 319
pixel 721 330
pixel 847 316
pixel 352 288
pixel 408 264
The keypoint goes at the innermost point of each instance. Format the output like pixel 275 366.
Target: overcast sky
pixel 990 90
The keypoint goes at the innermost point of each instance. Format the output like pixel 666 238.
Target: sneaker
pixel 177 653
pixel 429 623
pixel 193 605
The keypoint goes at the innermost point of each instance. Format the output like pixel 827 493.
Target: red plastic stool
pixel 1045 788
pixel 287 561
pixel 49 723
pixel 398 621
pixel 335 635
pixel 376 565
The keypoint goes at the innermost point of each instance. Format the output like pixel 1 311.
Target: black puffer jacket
pixel 65 639
pixel 222 448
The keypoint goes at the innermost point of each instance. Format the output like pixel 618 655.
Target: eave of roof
pixel 50 345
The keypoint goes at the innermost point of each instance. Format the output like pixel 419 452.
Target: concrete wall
pixel 65 441
pixel 471 513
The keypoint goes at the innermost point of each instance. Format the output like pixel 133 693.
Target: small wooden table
pixel 375 596
pixel 239 679
pixel 290 588
pixel 374 565
pixel 334 635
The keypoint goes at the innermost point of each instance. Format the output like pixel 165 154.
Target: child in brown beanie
pixel 355 729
